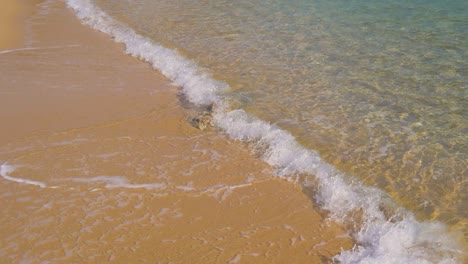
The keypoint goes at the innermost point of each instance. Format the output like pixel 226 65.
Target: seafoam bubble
pixel 5 171
pixel 405 241
pixel 380 238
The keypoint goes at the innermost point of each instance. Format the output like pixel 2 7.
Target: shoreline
pixel 121 173
pixel 241 126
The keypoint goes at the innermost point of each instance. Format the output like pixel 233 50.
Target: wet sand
pixel 11 16
pixel 101 165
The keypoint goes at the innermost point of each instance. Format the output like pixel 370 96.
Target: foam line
pixel 6 169
pixel 120 182
pixel 399 238
pixel 36 48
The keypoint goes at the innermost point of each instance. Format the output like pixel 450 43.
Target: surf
pixel 384 232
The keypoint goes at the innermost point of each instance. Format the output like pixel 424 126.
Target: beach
pixel 100 163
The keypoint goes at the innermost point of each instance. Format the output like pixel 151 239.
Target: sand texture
pixel 100 165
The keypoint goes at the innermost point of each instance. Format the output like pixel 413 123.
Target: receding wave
pixel 383 231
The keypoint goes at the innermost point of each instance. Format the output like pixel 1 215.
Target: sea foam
pixel 384 232
pixel 119 182
pixel 5 171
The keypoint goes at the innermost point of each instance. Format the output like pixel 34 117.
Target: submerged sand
pixel 101 165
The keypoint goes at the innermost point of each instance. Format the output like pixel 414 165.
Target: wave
pixel 383 231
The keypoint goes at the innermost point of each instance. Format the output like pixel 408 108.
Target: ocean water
pixel 364 103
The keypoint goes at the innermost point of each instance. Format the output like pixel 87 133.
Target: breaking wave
pixel 383 231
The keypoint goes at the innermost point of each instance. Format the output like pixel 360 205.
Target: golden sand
pixel 107 169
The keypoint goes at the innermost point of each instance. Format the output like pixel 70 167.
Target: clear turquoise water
pixel 379 88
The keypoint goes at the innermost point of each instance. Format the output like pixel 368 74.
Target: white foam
pixel 36 48
pixel 6 169
pixel 185 188
pixel 380 239
pixel 119 182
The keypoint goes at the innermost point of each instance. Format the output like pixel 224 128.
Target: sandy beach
pixel 100 164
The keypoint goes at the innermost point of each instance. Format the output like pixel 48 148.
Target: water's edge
pixel 386 233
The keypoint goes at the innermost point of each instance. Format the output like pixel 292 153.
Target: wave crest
pixel 381 237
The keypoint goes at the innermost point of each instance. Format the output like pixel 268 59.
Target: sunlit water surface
pixel 378 88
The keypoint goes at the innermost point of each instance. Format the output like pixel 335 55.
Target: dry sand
pixel 100 165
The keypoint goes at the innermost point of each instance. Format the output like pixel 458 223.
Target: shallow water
pixel 379 89
pixel 362 104
pixel 99 164
pixel 329 114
